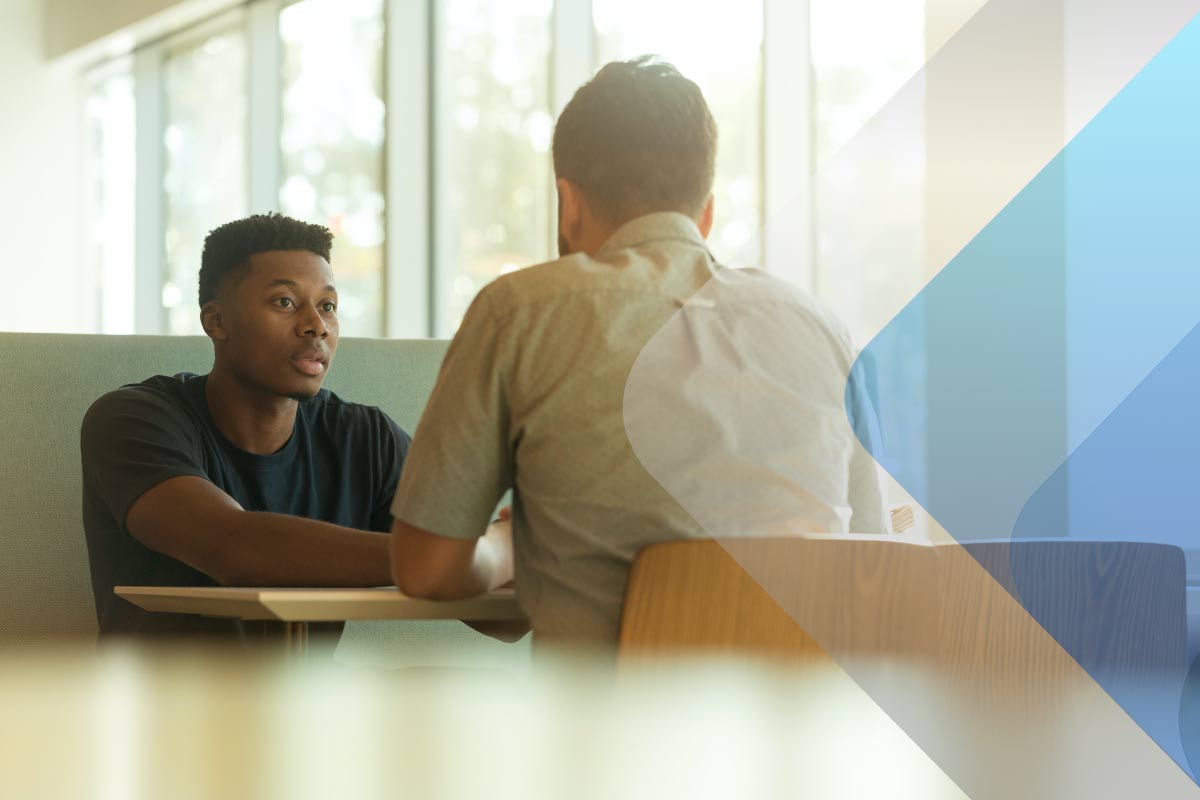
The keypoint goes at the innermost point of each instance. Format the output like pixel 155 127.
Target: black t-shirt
pixel 341 465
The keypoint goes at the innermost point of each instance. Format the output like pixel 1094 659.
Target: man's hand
pixel 504 515
pixel 500 533
pixel 435 567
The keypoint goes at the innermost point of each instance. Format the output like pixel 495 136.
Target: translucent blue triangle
pixel 1013 393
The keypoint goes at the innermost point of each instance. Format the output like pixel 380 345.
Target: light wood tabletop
pixel 317 605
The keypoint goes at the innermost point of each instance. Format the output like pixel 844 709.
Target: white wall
pixel 71 24
pixel 75 24
pixel 41 164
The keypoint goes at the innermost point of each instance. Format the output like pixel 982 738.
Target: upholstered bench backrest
pixel 49 382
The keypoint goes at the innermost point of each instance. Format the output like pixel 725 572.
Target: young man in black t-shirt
pixel 251 475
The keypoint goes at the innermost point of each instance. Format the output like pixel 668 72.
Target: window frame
pixel 412 274
pixel 409 301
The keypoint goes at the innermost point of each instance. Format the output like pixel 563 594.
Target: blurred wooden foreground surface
pixel 199 724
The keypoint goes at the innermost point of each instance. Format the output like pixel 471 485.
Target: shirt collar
pixel 656 227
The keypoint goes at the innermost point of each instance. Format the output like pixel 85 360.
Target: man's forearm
pixel 445 568
pixel 490 567
pixel 264 549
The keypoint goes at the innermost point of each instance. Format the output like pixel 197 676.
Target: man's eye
pixel 330 307
pixel 285 302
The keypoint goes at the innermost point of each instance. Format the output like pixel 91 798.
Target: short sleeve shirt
pixel 341 465
pixel 531 396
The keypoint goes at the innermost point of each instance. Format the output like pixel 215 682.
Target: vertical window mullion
pixel 407 172
pixel 149 251
pixel 263 112
pixel 788 199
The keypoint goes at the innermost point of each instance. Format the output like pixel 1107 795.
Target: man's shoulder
pixel 762 291
pixel 158 410
pixel 333 405
pixel 752 283
pixel 547 279
pixel 166 393
pixel 573 287
pixel 329 410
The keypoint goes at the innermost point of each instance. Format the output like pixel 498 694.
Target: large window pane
pixel 109 122
pixel 332 143
pixel 717 44
pixel 494 184
pixel 858 67
pixel 205 151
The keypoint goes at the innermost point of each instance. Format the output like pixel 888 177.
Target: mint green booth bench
pixel 51 379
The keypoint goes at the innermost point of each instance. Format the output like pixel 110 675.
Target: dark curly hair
pixel 638 138
pixel 228 248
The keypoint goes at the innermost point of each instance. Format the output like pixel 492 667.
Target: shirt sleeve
pixel 461 460
pixel 130 442
pixel 393 449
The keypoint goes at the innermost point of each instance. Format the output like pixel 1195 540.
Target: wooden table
pixel 295 608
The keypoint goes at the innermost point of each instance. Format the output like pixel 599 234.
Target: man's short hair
pixel 228 248
pixel 638 138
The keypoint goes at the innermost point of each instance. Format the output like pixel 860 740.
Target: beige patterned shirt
pixel 532 395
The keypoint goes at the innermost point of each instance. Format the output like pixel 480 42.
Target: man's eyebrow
pixel 329 287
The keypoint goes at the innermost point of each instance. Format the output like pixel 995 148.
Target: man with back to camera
pixel 251 475
pixel 531 392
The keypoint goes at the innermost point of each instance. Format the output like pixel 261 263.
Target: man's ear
pixel 570 212
pixel 213 321
pixel 705 222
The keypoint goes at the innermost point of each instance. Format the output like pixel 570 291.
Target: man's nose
pixel 313 324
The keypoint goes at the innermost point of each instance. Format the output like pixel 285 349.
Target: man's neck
pixel 593 239
pixel 256 421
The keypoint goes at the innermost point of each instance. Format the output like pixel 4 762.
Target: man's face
pixel 280 322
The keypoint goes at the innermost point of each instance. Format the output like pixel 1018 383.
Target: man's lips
pixel 311 363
